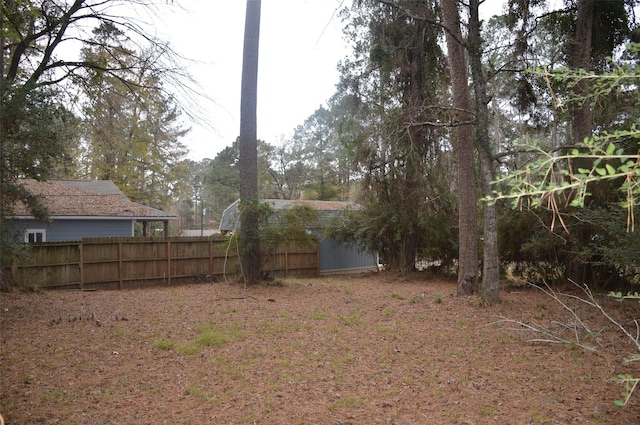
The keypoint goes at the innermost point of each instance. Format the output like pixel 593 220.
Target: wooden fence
pixel 123 263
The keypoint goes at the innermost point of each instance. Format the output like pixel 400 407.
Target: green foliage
pixel 630 383
pixel 388 227
pixel 249 239
pixel 597 249
pixel 578 190
pixel 551 180
pixel 317 315
pixel 276 229
pixel 389 105
pixel 317 163
pixel 351 319
pixel 290 226
pixel 222 177
pixel 34 130
pixel 164 344
pixel 287 225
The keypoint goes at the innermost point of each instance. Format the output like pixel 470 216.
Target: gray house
pixel 335 257
pixel 81 209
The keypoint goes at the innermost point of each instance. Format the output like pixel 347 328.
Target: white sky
pixel 300 47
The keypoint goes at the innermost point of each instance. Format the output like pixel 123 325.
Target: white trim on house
pixel 34 232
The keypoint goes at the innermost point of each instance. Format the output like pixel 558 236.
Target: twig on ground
pixel 594 303
pixel 550 337
pixel 235 298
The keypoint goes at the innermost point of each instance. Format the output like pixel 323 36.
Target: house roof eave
pixel 98 217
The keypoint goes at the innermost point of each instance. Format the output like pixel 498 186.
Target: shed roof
pixel 94 198
pixel 327 210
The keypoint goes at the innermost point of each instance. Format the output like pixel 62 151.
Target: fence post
pixel 210 256
pixel 317 256
pixel 14 269
pixel 286 260
pixel 168 250
pixel 81 264
pixel 120 271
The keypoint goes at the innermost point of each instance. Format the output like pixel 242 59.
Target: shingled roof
pixel 94 198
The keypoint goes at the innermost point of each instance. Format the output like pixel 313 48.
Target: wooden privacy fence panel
pixel 60 262
pixel 293 260
pixel 122 263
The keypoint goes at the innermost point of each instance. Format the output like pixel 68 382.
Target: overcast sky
pixel 300 46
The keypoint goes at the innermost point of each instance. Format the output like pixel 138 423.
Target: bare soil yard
pixel 372 349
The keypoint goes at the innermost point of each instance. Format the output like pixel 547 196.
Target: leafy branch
pixel 553 181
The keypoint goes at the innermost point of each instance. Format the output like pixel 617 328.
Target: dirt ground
pixel 372 349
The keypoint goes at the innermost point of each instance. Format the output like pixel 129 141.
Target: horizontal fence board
pixel 127 263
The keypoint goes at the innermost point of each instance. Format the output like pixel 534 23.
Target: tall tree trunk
pixel 489 286
pixel 250 257
pixel 581 59
pixel 582 116
pixel 462 138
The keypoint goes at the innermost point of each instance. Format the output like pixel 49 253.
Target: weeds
pixel 164 344
pixel 317 315
pixel 352 319
pixel 486 411
pixel 197 392
pixel 416 299
pixel 211 336
pixel 346 402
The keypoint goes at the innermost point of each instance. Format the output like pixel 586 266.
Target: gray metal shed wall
pixel 336 257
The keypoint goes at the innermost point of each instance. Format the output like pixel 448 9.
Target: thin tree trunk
pixel 491 258
pixel 250 257
pixel 462 139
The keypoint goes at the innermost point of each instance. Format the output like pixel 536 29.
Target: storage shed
pixel 335 257
pixel 80 209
